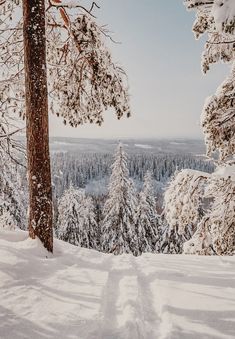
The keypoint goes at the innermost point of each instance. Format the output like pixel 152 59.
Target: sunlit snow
pixel 80 293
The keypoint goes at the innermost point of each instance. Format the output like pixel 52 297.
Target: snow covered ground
pixel 79 293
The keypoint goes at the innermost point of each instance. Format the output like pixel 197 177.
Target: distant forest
pixel 88 170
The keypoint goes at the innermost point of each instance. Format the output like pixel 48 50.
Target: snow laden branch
pixel 217 20
pixel 219 12
pixel 83 80
pixel 71 5
pixel 11 60
pixel 218 119
pixel 87 80
pixel 222 211
pixel 11 81
pixel 216 231
pixel 183 200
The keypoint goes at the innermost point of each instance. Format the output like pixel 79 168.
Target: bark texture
pixel 39 172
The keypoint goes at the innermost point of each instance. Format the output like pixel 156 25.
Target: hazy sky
pixel 162 60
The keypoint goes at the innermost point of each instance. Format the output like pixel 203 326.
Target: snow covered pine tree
pixel 76 219
pixel 64 55
pixel 118 225
pixel 147 219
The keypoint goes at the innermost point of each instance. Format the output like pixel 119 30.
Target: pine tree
pixel 63 55
pixel 76 219
pixel 118 225
pixel 147 220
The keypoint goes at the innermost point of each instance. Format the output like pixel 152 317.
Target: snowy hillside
pixel 79 293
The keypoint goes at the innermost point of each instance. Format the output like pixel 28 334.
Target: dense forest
pixel 82 169
pixel 81 189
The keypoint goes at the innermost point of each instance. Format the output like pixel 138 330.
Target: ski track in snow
pixel 79 293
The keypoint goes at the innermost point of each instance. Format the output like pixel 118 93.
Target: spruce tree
pixel 118 225
pixel 147 221
pixel 76 219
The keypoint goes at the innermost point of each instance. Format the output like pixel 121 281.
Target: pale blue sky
pixel 162 60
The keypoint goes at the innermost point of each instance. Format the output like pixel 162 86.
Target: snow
pixel 80 293
pixel 226 171
pixel 177 143
pixel 223 12
pixel 182 200
pixel 143 146
pixel 61 143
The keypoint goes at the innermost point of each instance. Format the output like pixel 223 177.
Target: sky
pixel 163 62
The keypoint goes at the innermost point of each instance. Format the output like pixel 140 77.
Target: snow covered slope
pixel 79 293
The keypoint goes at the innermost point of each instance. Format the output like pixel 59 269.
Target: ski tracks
pixel 128 310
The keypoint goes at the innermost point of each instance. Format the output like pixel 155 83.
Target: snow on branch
pixel 222 12
pixel 221 189
pixel 83 80
pixel 72 4
pixel 183 199
pixel 215 233
pixel 200 243
pixel 218 119
pixel 217 20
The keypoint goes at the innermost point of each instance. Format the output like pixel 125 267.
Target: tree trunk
pixel 39 173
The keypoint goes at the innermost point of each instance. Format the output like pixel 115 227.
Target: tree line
pixel 80 169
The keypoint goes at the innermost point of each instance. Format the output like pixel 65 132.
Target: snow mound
pixel 80 293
